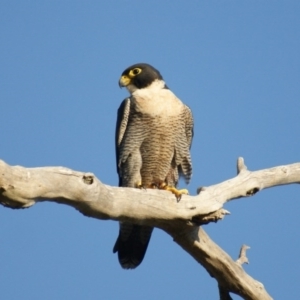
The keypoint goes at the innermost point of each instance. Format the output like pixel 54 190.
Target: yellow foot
pixel 139 185
pixel 176 192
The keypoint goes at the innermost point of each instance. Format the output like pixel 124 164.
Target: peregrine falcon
pixel 154 132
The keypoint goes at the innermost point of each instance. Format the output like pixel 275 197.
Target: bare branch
pixel 241 165
pixel 229 275
pixel 243 259
pixel 211 217
pixel 22 187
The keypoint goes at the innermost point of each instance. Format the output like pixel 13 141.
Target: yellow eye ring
pixel 135 72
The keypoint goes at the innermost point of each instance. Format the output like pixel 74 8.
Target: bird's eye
pixel 135 71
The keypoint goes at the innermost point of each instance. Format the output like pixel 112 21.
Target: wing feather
pixel 183 158
pixel 122 120
pixel 189 125
pixel 133 240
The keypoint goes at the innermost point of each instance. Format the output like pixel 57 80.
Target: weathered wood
pixel 22 187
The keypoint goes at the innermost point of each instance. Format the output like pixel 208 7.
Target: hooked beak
pixel 124 81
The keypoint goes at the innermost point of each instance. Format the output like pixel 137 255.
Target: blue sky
pixel 235 63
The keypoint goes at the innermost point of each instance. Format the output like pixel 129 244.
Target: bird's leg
pixel 176 192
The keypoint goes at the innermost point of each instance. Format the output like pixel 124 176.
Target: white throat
pixel 155 100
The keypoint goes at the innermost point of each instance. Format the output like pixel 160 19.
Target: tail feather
pixel 132 244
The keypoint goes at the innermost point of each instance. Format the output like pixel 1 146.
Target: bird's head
pixel 139 76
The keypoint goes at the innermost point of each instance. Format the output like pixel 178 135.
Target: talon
pixel 153 186
pixel 176 192
pixel 139 185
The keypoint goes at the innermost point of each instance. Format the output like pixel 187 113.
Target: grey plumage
pixel 153 136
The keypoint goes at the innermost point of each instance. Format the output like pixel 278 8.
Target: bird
pixel 154 132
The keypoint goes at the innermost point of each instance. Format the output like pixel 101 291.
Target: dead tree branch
pixel 243 259
pixel 23 187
